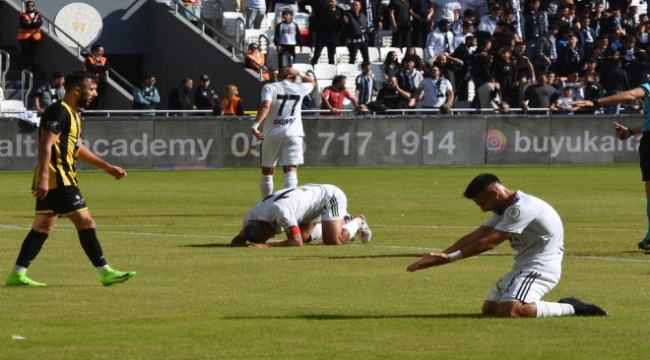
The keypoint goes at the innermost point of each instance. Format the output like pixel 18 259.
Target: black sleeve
pixel 55 119
pixel 240 108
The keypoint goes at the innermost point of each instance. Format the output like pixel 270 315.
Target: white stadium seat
pixel 231 26
pixel 350 71
pixel 325 71
pixel 373 54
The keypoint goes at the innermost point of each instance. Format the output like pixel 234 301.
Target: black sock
pixel 90 244
pixel 31 247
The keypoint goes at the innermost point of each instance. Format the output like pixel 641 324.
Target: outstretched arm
pixel 622 97
pixel 467 246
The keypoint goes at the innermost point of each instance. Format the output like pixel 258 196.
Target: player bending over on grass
pixel 296 212
pixel 535 232
pixel 624 133
pixel 55 182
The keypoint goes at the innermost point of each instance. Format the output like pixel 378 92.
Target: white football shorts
pixel 525 286
pixel 281 152
pixel 336 208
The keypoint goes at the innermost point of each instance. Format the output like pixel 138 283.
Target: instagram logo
pixel 495 141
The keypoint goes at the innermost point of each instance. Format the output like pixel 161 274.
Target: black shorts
pixel 61 201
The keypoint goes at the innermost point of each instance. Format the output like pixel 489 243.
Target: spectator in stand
pixel 629 51
pixel 435 92
pixel 255 12
pixel 459 38
pixel 412 53
pixel 546 51
pixel 329 24
pixel 334 95
pixel 589 67
pixel 586 35
pixel 287 35
pixel 192 11
pixel 504 69
pixel 232 104
pixel 97 64
pixel 441 40
pixel 502 36
pixel 592 89
pixel 256 60
pixel 206 98
pixel 179 97
pixel 563 104
pixel 638 70
pixel 145 95
pixel 615 81
pixel 569 58
pixel 317 7
pixel 408 75
pixel 482 64
pixel 400 22
pixel 469 17
pixel 383 17
pixel 629 20
pixel 446 9
pixel 50 93
pixel 540 95
pixel 29 34
pixel 598 17
pixel 522 61
pixel 448 66
pixel 282 5
pixel 464 53
pixel 365 85
pixel 562 18
pixel 421 14
pixel 391 65
pixel 489 22
pixel 392 96
pixel 357 30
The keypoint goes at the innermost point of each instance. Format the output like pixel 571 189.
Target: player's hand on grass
pixel 258 246
pixel 428 260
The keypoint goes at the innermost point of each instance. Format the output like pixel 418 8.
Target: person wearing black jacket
pixel 329 24
pixel 179 97
pixel 356 31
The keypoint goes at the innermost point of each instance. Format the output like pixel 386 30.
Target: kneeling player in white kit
pixel 282 137
pixel 535 231
pixel 296 212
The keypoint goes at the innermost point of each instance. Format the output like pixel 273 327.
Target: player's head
pixel 286 61
pixel 258 232
pixel 82 87
pixel 488 193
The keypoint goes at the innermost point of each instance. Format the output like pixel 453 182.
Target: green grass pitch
pixel 196 298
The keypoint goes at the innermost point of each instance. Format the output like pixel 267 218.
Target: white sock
pixel 353 226
pixel 102 268
pixel 20 268
pixel 550 309
pixel 290 180
pixel 317 233
pixel 266 185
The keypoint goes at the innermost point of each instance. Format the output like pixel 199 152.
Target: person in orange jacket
pixel 29 33
pixel 97 64
pixel 232 103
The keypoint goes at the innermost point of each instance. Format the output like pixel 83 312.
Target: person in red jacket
pixel 29 34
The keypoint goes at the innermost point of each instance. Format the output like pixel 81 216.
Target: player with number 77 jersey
pixel 282 134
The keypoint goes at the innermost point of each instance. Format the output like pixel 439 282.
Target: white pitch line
pixel 418 248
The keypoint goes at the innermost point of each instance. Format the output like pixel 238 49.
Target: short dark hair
pixel 95 47
pixel 254 231
pixel 148 76
pixel 469 13
pixel 338 79
pixel 78 78
pixel 479 184
pixel 365 63
pixel 57 75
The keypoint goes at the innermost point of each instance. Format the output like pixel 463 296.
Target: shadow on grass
pixel 327 317
pixel 212 245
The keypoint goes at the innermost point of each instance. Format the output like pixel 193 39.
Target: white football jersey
pixel 538 234
pixel 283 119
pixel 290 207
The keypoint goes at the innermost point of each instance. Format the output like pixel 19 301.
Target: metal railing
pixel 26 76
pixel 4 69
pixel 235 49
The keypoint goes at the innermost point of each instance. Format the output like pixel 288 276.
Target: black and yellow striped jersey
pixel 62 120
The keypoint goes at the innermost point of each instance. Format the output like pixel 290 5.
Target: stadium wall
pixel 206 142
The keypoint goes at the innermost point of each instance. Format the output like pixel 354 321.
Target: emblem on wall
pixel 81 22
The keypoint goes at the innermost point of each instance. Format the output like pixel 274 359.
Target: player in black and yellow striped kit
pixel 55 182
